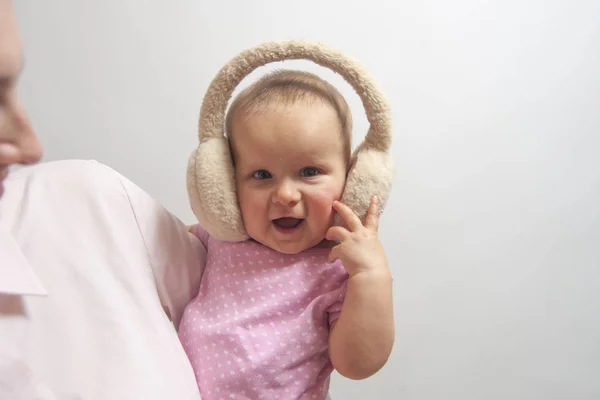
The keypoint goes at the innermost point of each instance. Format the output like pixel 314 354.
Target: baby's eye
pixel 309 171
pixel 261 174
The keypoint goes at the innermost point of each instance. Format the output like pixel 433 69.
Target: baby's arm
pixel 361 339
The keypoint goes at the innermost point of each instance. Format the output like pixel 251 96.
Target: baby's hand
pixel 359 249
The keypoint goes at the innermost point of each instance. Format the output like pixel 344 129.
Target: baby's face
pixel 290 167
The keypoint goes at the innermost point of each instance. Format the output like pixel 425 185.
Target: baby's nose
pixel 286 194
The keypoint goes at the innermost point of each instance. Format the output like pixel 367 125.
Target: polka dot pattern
pixel 259 327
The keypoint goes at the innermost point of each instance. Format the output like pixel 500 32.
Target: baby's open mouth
pixel 287 222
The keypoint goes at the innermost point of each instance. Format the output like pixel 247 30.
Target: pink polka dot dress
pixel 259 327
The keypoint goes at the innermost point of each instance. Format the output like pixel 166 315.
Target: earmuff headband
pixel 214 105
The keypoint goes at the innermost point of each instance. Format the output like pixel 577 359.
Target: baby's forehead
pixel 261 108
pixel 298 118
pixel 296 135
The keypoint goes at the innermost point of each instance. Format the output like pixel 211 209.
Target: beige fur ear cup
pixel 217 209
pixel 372 174
pixel 210 173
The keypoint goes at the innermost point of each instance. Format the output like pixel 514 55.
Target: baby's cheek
pixel 251 206
pixel 324 199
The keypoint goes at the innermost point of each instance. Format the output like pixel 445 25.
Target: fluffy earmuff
pixel 210 173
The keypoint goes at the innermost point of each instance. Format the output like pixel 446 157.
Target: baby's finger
pixel 334 253
pixel 372 217
pixel 352 220
pixel 337 233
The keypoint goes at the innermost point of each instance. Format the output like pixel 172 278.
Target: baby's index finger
pixel 373 213
pixel 351 219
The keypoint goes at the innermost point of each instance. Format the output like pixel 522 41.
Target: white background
pixel 493 226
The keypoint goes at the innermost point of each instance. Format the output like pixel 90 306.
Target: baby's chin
pixel 292 248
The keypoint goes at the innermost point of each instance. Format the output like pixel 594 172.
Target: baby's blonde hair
pixel 289 86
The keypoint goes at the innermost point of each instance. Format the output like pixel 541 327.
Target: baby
pixel 277 313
